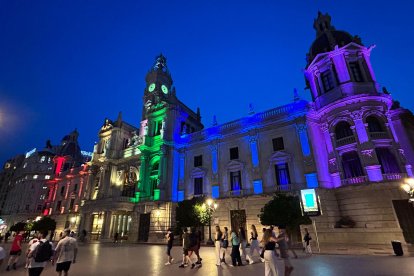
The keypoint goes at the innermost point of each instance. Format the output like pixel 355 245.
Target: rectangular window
pixel 62 190
pixel 75 188
pixel 47 176
pixel 278 144
pixel 198 186
pixel 198 161
pixel 235 180
pixel 234 153
pixel 356 71
pixel 158 128
pixel 35 176
pixel 327 81
pixel 282 174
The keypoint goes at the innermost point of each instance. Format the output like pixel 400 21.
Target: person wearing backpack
pixel 39 254
pixel 65 253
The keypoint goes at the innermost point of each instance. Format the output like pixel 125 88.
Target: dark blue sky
pixel 70 64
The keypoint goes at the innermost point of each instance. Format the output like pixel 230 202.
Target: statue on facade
pixel 134 139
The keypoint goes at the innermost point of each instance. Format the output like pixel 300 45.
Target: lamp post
pixel 211 207
pixel 408 187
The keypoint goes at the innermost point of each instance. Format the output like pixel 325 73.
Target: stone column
pixel 162 174
pixel 340 65
pixel 106 225
pixel 360 126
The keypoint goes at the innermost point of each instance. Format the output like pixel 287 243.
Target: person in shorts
pixel 36 268
pixel 65 253
pixel 186 247
pixel 15 250
pixel 170 240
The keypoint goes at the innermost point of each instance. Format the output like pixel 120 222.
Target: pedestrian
pixel 170 240
pixel 15 250
pixel 116 235
pixel 39 254
pixel 31 242
pixel 186 246
pixel 290 247
pixel 283 247
pixel 243 243
pixel 217 243
pixel 254 244
pixel 307 239
pixel 194 240
pixel 235 249
pixel 65 253
pixel 225 244
pixel 197 246
pixel 269 245
pixel 2 255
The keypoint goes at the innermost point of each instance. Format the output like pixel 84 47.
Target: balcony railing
pixel 345 141
pixel 394 176
pixel 354 180
pixel 378 135
pixel 289 187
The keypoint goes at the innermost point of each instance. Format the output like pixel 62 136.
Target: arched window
pixel 351 165
pixel 374 125
pixel 387 161
pixel 342 130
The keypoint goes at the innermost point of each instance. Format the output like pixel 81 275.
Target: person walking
pixel 283 247
pixel 254 244
pixel 170 240
pixel 15 251
pixel 39 254
pixel 307 239
pixel 31 242
pixel 225 244
pixel 116 235
pixel 290 247
pixel 217 244
pixel 243 242
pixel 194 246
pixel 235 249
pixel 186 246
pixel 65 253
pixel 269 245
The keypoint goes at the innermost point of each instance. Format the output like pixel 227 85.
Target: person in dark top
pixel 170 240
pixel 195 243
pixel 116 235
pixel 307 240
pixel 269 245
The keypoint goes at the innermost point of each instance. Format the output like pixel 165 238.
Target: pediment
pixel 198 172
pixel 235 165
pixel 280 157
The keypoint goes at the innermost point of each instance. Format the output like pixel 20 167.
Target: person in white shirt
pixel 36 268
pixel 31 242
pixel 65 253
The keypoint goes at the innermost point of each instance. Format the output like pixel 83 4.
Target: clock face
pixel 151 87
pixel 164 89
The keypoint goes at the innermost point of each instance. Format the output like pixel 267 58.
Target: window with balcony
pixel 198 186
pixel 351 165
pixel 343 130
pixel 278 144
pixel 282 174
pixel 234 153
pixel 387 160
pixel 374 125
pixel 235 181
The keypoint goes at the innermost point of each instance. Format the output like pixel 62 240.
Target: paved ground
pixel 148 260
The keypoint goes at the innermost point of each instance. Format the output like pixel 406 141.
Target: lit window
pixel 25 165
pixel 35 176
pixel 42 159
pixel 47 176
pixel 49 160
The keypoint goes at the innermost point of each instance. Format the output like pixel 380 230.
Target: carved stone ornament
pixel 357 115
pixel 107 125
pixel 301 127
pixel 332 161
pixel 367 153
pixel 134 139
pixel 324 127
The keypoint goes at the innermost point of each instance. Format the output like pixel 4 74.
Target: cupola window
pixel 327 81
pixel 355 70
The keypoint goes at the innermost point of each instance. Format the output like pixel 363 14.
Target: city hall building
pixel 352 143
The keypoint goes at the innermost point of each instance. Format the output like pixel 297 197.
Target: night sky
pixel 70 64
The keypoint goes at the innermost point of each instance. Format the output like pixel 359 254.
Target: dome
pixel 327 37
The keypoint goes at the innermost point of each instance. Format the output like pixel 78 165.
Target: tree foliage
pixel 189 213
pixel 283 210
pixel 45 223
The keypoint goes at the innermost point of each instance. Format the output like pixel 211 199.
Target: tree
pixel 45 223
pixel 188 213
pixel 283 210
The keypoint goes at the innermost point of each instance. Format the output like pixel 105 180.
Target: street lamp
pixel 211 207
pixel 408 187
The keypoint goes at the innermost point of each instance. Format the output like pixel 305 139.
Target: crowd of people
pixel 270 247
pixel 41 251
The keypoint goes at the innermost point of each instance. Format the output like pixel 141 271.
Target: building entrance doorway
pixel 238 219
pixel 144 227
pixel 97 222
pixel 405 215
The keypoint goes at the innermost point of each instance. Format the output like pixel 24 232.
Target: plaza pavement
pixel 147 260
